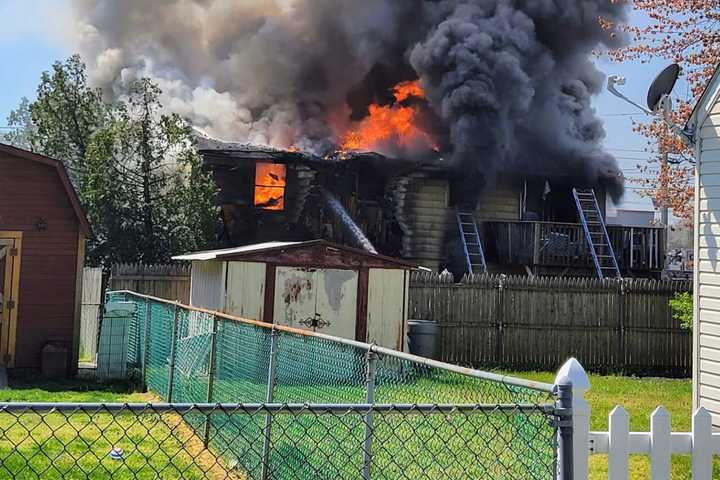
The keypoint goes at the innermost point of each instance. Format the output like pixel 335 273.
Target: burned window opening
pixel 270 182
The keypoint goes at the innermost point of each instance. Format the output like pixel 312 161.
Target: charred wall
pixel 404 212
pixel 369 195
pixel 244 223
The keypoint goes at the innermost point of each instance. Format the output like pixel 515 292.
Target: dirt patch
pixel 214 467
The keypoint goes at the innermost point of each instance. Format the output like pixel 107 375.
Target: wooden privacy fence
pixel 89 314
pixel 171 282
pixel 537 323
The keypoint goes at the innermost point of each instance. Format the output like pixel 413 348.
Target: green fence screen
pixel 187 356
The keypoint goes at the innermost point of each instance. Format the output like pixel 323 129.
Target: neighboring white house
pixel 705 122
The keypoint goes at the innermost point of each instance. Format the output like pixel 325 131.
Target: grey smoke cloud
pixel 510 80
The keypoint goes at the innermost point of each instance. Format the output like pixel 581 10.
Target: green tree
pixel 682 308
pixel 152 199
pixel 136 169
pixel 66 114
pixel 22 129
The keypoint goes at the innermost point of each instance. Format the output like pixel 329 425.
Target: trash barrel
pixel 424 338
pixel 54 361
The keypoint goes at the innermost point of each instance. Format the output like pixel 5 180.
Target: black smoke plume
pixel 509 82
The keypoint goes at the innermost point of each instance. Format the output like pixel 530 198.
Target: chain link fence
pixel 252 401
pixel 79 441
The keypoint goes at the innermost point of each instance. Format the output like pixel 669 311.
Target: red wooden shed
pixel 42 249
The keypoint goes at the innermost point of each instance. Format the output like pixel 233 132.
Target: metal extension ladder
pixel 598 241
pixel 472 245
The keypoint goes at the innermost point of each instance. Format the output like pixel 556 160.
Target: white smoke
pixel 245 69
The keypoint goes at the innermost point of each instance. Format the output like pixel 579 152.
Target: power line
pixel 630 150
pixel 633 158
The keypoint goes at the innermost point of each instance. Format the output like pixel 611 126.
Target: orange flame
pixel 270 180
pixel 391 125
pixel 405 90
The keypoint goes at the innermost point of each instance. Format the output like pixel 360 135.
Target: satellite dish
pixel 658 100
pixel 662 87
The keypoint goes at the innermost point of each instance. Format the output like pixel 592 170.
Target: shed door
pixel 9 285
pixel 320 300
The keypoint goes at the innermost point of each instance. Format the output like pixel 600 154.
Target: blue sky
pixel 30 47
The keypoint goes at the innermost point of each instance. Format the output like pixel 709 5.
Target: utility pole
pixel 664 210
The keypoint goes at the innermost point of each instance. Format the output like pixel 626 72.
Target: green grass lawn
pixel 498 445
pixel 141 440
pixel 72 446
pixel 639 396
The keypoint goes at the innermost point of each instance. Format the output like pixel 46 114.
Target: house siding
pixel 707 274
pixel 428 216
pixel 501 204
pixel 431 218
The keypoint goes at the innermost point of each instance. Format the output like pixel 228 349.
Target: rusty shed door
pixel 320 300
pixel 9 289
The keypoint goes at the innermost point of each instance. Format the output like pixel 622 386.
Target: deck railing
pixel 554 244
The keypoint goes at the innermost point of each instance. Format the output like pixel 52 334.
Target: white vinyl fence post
pixel 660 444
pixel 574 373
pixel 619 444
pixel 702 445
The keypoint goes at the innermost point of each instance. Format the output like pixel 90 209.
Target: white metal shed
pixel 705 122
pixel 314 285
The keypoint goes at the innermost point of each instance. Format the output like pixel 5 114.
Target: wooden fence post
pixel 500 322
pixel 621 353
pixel 574 373
pixel 619 444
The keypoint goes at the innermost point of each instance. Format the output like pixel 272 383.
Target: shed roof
pixel 305 253
pixel 217 254
pixel 64 179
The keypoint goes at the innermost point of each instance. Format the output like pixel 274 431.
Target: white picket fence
pixel 619 442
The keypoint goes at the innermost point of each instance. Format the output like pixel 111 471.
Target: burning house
pixel 408 209
pixel 489 152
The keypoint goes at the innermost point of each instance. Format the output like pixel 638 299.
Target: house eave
pixel 707 99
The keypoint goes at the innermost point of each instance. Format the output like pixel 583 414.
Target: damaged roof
pixel 222 152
